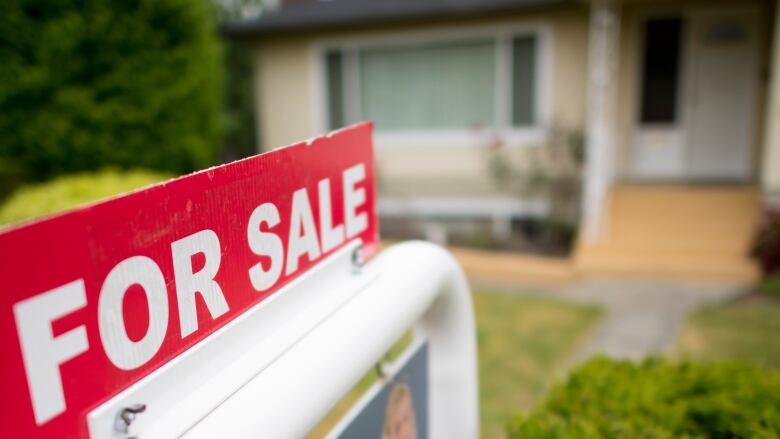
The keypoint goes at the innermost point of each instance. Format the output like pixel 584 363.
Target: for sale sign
pixel 95 299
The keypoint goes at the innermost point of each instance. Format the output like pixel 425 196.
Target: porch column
pixel 601 114
pixel 770 159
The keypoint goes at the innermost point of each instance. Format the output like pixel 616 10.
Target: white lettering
pixel 43 353
pixel 331 236
pixel 265 244
pixel 354 198
pixel 188 283
pixel 121 350
pixel 301 241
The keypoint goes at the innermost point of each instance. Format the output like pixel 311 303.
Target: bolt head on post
pixel 126 416
pixel 357 259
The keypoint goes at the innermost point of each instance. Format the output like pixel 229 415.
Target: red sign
pixel 95 299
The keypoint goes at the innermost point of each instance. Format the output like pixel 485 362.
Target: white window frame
pixel 504 132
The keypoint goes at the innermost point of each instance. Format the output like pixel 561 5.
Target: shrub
pixel 240 127
pixel 70 191
pixel 771 284
pixel 766 248
pixel 657 399
pixel 88 84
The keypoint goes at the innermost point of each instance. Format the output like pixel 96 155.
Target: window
pixel 523 80
pixel 435 86
pixel 661 72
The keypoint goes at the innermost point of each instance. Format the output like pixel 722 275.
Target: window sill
pixel 482 138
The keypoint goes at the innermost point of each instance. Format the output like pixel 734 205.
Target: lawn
pixel 524 342
pixel 747 328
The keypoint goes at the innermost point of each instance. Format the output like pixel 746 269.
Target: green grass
pixel 70 191
pixel 746 329
pixel 523 343
pixel 771 284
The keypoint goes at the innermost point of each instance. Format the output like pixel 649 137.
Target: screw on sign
pixel 95 299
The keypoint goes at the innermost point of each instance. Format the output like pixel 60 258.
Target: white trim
pixel 465 138
pixel 603 65
pixel 444 34
pixel 463 207
pixel 769 153
pixel 501 34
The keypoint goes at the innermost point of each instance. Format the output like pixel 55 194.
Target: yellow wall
pixel 289 103
pixel 284 92
pixel 290 106
pixel 286 76
pixel 570 67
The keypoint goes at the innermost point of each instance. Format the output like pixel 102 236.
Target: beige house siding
pixel 284 91
pixel 570 65
pixel 290 104
pixel 290 99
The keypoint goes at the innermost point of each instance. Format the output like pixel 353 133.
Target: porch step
pixel 675 230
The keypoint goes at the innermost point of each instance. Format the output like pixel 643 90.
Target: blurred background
pixel 607 172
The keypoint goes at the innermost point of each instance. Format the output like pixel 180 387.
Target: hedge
pixel 92 83
pixel 658 399
pixel 72 190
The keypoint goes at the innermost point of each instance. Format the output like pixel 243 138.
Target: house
pixel 676 101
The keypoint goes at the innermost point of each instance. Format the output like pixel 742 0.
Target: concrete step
pixel 705 218
pixel 674 264
pixel 675 230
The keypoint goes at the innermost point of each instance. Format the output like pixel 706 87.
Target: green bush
pixel 770 284
pixel 70 191
pixel 658 399
pixel 91 83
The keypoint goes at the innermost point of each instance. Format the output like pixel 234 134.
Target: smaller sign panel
pixel 392 409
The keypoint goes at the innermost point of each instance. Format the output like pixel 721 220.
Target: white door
pixel 659 142
pixel 720 96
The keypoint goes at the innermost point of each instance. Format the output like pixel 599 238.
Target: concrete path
pixel 643 317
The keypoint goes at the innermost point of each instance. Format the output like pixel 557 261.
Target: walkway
pixel 642 317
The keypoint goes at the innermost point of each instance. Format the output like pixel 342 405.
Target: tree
pixel 91 83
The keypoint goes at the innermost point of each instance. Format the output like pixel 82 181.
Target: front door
pixel 697 97
pixel 721 96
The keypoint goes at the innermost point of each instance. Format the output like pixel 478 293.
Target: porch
pixel 681 137
pixel 673 231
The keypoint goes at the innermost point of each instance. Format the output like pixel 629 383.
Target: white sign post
pixel 412 284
